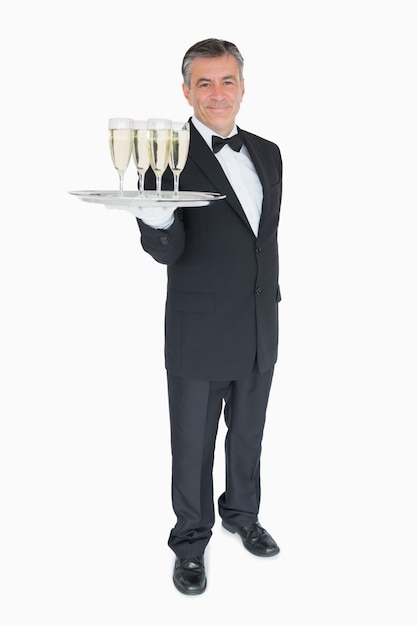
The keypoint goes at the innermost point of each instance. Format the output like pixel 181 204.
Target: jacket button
pixel 258 291
pixel 258 249
pixel 164 240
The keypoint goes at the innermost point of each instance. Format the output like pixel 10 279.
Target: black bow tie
pixel 234 142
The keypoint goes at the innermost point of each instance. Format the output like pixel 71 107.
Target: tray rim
pixel 131 198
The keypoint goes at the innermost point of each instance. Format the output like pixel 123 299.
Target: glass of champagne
pixel 121 142
pixel 180 144
pixel 159 144
pixel 140 151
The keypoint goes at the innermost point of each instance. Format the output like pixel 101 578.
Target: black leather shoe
pixel 255 538
pixel 189 575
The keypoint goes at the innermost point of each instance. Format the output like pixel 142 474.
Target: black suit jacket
pixel 222 287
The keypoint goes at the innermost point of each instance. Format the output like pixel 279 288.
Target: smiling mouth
pixel 217 107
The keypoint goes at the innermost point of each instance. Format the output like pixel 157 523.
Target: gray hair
pixel 209 48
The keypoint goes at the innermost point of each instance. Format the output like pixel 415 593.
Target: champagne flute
pixel 120 141
pixel 180 144
pixel 140 151
pixel 159 145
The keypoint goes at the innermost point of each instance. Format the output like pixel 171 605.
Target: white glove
pixel 155 216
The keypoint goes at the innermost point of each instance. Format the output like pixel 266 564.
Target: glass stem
pixel 120 184
pixel 141 183
pixel 158 185
pixel 176 184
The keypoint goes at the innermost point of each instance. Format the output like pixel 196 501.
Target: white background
pixel 85 461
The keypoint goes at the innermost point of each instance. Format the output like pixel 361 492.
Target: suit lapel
pixel 258 157
pixel 205 160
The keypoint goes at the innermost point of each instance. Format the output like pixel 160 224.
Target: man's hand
pixel 154 216
pixel 157 217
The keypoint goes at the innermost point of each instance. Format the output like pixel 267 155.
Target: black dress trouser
pixel 195 407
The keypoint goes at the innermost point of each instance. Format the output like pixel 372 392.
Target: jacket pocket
pixel 190 301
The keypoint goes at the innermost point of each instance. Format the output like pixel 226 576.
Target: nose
pixel 217 92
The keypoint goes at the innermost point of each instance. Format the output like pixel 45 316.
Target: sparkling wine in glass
pixel 159 145
pixel 121 143
pixel 140 151
pixel 180 143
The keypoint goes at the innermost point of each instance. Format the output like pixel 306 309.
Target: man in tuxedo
pixel 221 324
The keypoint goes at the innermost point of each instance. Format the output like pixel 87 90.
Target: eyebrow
pixel 208 80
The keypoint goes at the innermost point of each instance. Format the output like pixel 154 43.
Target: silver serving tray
pixel 132 199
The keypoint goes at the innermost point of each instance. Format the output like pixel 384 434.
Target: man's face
pixel 215 92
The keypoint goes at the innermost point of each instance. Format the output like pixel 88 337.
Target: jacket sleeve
pixel 165 246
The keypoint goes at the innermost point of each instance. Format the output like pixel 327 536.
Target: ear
pixel 186 93
pixel 242 87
